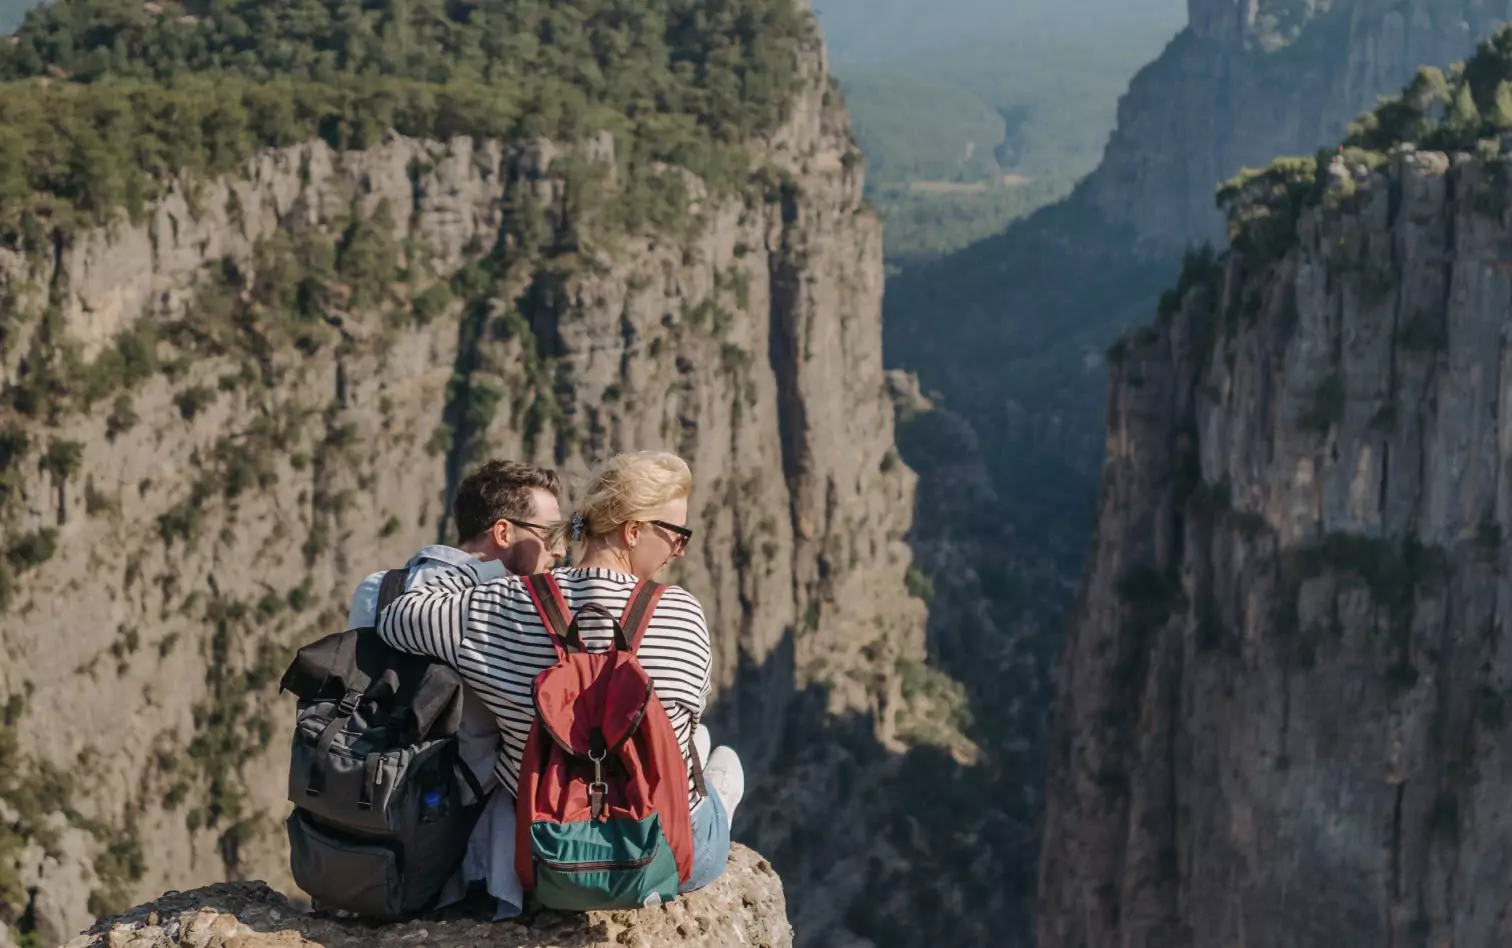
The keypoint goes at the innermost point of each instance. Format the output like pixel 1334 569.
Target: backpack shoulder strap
pixel 546 596
pixel 638 611
pixel 389 589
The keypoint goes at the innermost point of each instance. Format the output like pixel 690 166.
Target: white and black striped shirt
pixel 491 634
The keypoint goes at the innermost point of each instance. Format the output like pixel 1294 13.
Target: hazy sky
pixel 11 12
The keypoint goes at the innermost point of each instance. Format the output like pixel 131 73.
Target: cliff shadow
pixel 999 579
pixel 899 848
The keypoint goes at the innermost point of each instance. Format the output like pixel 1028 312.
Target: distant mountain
pixel 974 114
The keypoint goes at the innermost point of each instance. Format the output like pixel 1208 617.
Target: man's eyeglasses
pixel 542 532
pixel 683 534
pixel 526 524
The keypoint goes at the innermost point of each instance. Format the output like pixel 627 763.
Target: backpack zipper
pixel 640 863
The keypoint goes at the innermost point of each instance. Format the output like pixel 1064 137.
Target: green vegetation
pixel 918 583
pixel 1405 117
pixel 1488 540
pixel 32 549
pixel 1391 570
pixel 1208 499
pixel 181 89
pixel 925 220
pixel 119 864
pixel 939 713
pixel 921 129
pixel 1326 406
pixel 1201 268
pixel 62 459
pixel 1444 818
pixel 1467 111
pixel 430 304
pixel 32 789
pixel 227 733
pixel 122 418
pixel 1491 708
pixel 97 503
pixel 1279 23
pixel 1263 206
pixel 192 401
pixel 1396 572
pixel 1148 592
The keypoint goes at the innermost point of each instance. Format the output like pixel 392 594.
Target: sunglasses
pixel 542 532
pixel 526 524
pixel 683 534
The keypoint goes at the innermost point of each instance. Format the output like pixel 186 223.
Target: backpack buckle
pixel 349 702
pixel 597 789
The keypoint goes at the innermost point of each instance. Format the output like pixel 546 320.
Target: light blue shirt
pixel 478 735
pixel 423 567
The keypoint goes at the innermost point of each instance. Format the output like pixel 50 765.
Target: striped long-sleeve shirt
pixel 490 633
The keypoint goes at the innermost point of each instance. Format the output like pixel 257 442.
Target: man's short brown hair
pixel 499 490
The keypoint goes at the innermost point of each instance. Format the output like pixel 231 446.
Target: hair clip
pixel 577 526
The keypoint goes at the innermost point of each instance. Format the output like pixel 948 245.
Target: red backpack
pixel 603 820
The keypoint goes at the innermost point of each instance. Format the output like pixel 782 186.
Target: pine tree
pixel 1501 111
pixel 1464 120
pixel 1427 88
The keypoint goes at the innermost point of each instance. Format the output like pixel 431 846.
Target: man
pixel 503 513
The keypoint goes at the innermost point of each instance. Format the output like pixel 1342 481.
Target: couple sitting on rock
pixel 470 607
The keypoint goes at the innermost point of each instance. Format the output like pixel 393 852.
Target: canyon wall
pixel 1282 706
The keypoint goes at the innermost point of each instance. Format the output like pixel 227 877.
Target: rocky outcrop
pixel 743 907
pixel 1257 78
pixel 233 477
pixel 1282 711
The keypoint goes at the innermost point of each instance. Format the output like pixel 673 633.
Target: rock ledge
pixel 744 908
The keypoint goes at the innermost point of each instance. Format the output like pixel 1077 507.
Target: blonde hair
pixel 629 487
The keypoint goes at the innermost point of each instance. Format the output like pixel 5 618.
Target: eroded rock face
pixel 1252 79
pixel 745 906
pixel 1282 716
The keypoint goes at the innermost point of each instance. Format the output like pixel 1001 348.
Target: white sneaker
pixel 701 743
pixel 726 777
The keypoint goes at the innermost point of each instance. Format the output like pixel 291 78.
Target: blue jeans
pixel 711 842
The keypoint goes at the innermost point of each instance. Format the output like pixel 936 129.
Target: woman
pixel 632 523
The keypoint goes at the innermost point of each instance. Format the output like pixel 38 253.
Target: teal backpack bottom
pixel 610 864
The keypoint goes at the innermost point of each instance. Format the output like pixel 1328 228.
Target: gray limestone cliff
pixel 1251 79
pixel 1283 707
pixel 233 478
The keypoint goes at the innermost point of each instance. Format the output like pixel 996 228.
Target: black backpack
pixel 381 814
